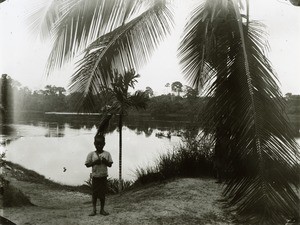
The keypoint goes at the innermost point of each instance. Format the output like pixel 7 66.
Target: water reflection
pixel 55 130
pixel 139 124
pixel 50 144
pixel 48 147
pixel 50 155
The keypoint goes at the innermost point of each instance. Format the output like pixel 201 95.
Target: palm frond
pixel 44 17
pixel 260 155
pixel 75 23
pixel 128 46
pixel 265 147
pixel 199 41
pixel 104 124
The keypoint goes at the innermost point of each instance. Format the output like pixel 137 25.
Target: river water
pixel 48 144
pixel 48 147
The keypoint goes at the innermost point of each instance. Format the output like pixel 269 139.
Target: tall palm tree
pixel 245 112
pixel 119 102
pixel 113 35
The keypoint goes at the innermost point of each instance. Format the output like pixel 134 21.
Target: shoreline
pixel 189 201
pixel 17 172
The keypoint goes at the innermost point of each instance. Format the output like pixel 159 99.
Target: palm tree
pixel 245 112
pixel 113 35
pixel 119 102
pixel 177 87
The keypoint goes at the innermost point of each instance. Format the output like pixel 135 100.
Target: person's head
pixel 99 142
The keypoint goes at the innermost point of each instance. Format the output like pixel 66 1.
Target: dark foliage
pixel 193 158
pixel 245 114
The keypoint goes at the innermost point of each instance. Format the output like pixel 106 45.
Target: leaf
pixel 245 109
pixel 128 46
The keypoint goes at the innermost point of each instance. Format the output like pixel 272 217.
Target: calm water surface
pixel 48 147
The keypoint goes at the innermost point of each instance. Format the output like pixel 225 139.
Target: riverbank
pixel 13 172
pixel 180 201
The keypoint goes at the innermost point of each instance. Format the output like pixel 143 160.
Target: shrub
pixel 113 185
pixel 193 158
pixel 148 175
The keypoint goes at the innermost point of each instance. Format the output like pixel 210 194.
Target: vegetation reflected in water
pixel 50 143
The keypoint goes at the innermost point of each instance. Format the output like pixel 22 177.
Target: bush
pixel 113 185
pixel 193 158
pixel 148 175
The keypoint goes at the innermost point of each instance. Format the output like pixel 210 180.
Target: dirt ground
pixel 182 201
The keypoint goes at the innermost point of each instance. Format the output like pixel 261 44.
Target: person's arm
pixel 89 164
pixel 92 163
pixel 106 162
pixel 89 161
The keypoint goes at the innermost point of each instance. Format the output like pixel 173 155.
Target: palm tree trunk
pixel 120 151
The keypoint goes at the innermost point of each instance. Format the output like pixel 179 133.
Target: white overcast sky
pixel 23 57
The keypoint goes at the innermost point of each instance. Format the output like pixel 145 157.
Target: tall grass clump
pixel 191 158
pixel 113 185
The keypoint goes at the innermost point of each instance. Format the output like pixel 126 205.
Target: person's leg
pixel 102 203
pixel 102 196
pixel 94 197
pixel 94 202
pixel 102 211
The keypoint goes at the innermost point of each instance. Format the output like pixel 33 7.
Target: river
pixel 45 146
pixel 49 143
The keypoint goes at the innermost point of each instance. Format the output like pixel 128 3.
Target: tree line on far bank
pixel 181 101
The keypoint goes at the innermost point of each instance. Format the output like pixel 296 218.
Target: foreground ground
pixel 181 201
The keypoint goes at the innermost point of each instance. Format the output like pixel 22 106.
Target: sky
pixel 23 56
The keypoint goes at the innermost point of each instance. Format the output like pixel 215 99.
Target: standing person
pixel 99 160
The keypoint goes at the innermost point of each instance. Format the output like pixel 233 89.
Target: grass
pixel 12 196
pixel 193 158
pixel 113 185
pixel 23 174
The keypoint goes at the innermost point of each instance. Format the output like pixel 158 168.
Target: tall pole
pixel 4 99
pixel 120 151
